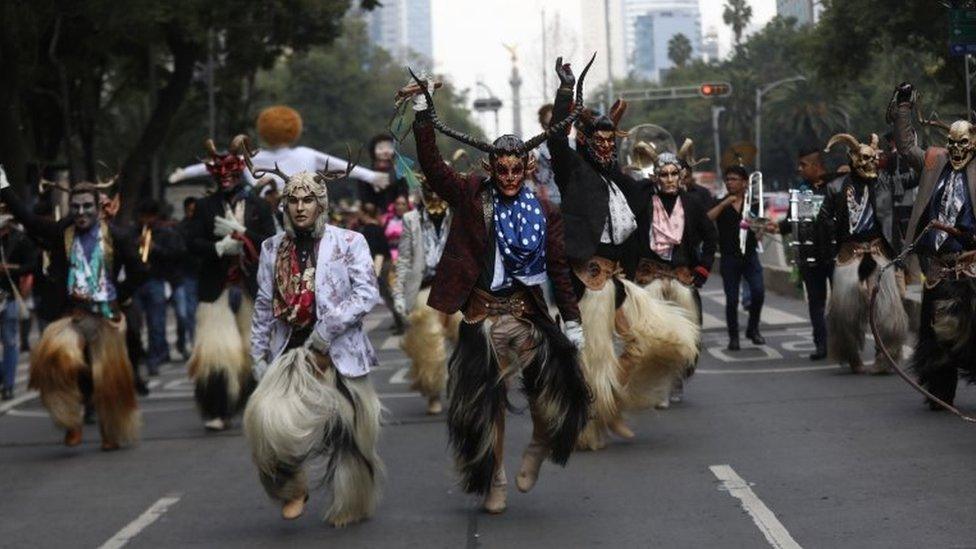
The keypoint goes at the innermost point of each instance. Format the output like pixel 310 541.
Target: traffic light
pixel 715 89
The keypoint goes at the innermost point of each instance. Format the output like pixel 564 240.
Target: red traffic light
pixel 715 89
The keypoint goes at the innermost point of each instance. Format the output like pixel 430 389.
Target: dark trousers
pixel 152 299
pixel 815 278
pixel 734 270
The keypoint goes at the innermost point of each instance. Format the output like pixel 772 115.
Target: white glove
pixel 228 246
pixel 574 333
pixel 177 175
pixel 317 344
pixel 420 100
pixel 4 182
pixel 259 369
pixel 381 181
pixel 224 226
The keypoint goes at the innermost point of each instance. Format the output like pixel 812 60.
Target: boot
pixel 535 454
pixel 755 336
pixel 495 499
pixel 295 508
pixel 72 437
pixel 733 343
pixel 434 406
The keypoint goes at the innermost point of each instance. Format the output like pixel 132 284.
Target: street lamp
pixel 760 92
pixel 488 104
pixel 716 113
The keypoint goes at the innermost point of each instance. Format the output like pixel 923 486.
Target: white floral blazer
pixel 345 290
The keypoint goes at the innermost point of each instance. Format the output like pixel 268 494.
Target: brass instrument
pixel 755 222
pixel 145 243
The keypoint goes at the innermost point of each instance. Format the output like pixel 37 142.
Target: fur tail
pixel 56 363
pixel 478 397
pixel 424 344
pixel 660 343
pixel 114 393
pixel 555 386
pixel 892 319
pixel 600 365
pixel 847 315
pixel 298 413
pixel 219 365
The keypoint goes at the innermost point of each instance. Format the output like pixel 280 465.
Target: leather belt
pixel 958 266
pixel 649 270
pixel 595 272
pixel 482 305
pixel 853 251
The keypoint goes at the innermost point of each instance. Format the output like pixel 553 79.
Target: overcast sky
pixel 469 37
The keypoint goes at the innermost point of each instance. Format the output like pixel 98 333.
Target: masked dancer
pixel 599 202
pixel 503 245
pixel 677 248
pixel 425 232
pixel 946 195
pixel 862 232
pixel 82 357
pixel 225 232
pixel 315 400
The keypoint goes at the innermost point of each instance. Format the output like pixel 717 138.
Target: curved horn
pixel 444 128
pixel 45 184
pixel 617 111
pixel 875 143
pixel 852 143
pixel 211 148
pixel 687 150
pixel 644 153
pixel 565 122
pixel 241 144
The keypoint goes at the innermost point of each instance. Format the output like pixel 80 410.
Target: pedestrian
pixel 382 152
pixel 161 247
pixel 740 256
pixel 371 227
pixel 17 257
pixel 316 399
pixel 185 296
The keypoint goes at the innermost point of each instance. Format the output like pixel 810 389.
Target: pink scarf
pixel 667 229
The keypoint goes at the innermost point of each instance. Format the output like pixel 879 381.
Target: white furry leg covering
pixel 660 343
pixel 601 368
pixel 892 320
pixel 220 365
pixel 424 343
pixel 299 413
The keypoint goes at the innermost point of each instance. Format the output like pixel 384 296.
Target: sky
pixel 470 38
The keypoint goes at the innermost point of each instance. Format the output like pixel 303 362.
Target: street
pixel 828 459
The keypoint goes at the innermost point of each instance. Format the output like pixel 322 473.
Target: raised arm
pixel 38 227
pixel 563 156
pixel 903 103
pixel 444 181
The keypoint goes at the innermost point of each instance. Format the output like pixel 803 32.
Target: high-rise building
pixel 709 47
pixel 801 10
pixel 652 35
pixel 402 27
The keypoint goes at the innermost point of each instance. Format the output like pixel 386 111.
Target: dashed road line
pixel 142 522
pixel 770 526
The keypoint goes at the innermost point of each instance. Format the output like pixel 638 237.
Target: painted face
pixel 509 174
pixel 604 145
pixel 865 161
pixel 735 184
pixel 961 144
pixel 383 154
pixel 669 177
pixel 84 209
pixel 303 209
pixel 226 171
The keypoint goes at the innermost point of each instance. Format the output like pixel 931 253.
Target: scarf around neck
pixel 860 213
pixel 520 231
pixel 666 230
pixel 434 241
pixel 88 268
pixel 294 295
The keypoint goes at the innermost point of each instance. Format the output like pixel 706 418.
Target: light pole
pixel 760 92
pixel 606 21
pixel 716 113
pixel 489 104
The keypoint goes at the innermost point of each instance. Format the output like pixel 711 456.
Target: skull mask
pixel 864 157
pixel 961 144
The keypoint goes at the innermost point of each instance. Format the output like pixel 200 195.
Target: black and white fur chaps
pixel 552 381
pixel 946 343
pixel 299 417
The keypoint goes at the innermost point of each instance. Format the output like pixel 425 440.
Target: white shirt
pixel 621 222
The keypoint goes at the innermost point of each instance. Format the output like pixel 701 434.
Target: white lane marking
pixel 17 401
pixel 770 315
pixel 391 343
pixel 774 531
pixel 710 321
pixel 725 355
pixel 768 370
pixel 400 377
pixel 144 520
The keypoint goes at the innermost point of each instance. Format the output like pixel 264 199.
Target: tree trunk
pixel 134 178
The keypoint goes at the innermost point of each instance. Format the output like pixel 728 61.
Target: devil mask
pixel 864 157
pixel 597 133
pixel 225 168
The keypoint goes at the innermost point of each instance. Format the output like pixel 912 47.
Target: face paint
pixel 669 177
pixel 509 174
pixel 82 206
pixel 303 209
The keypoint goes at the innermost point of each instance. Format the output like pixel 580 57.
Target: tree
pixel 679 50
pixel 737 14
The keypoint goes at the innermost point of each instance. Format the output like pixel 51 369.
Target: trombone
pixel 754 222
pixel 145 243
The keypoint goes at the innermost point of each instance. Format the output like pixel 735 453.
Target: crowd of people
pixel 558 265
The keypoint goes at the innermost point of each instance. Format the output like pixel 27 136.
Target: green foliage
pixel 679 50
pixel 737 14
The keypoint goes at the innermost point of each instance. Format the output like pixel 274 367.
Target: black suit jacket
pixel 698 240
pixel 585 195
pixel 260 225
pixel 836 217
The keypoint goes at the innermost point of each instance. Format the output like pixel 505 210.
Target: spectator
pixel 185 292
pixel 17 259
pixel 545 182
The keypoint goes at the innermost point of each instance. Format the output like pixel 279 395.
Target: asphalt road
pixel 828 459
